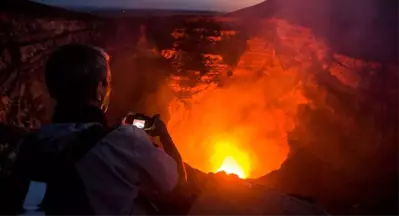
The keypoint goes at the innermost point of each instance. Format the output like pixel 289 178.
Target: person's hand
pixel 127 119
pixel 160 127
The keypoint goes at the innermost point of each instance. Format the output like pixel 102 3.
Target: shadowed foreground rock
pixel 228 195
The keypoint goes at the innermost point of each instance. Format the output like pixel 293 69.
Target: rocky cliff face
pixel 320 118
pixel 26 40
pixel 343 150
pixel 365 29
pixel 342 142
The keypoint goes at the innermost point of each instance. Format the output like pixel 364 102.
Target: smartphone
pixel 139 123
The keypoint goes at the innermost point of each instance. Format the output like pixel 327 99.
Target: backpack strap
pixel 65 187
pixel 86 141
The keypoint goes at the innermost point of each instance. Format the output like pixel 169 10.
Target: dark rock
pixel 365 29
pixel 343 151
pixel 30 38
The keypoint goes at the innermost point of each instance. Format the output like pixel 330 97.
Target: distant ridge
pixel 264 9
pixel 29 8
pixel 144 12
pixel 367 29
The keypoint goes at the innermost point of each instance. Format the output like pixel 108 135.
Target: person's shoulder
pixel 130 130
pixel 129 133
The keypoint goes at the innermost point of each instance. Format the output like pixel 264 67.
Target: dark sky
pixel 214 5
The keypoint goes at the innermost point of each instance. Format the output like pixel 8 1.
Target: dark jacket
pixel 90 169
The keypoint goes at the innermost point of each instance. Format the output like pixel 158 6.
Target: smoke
pixel 250 115
pixel 364 29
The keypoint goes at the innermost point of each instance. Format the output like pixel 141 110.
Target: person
pixel 89 167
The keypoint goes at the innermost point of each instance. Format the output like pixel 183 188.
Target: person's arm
pixel 164 167
pixel 170 149
pixel 154 162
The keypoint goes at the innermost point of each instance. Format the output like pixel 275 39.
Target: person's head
pixel 79 74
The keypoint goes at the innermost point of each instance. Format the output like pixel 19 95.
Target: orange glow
pixel 239 128
pixel 240 124
pixel 230 166
pixel 228 158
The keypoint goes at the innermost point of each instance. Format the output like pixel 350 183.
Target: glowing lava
pixel 229 158
pixel 230 166
pixel 241 123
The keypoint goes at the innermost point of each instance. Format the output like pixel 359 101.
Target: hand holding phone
pixel 159 126
pixel 140 121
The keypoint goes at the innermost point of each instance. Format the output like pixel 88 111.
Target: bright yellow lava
pixel 229 158
pixel 230 166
